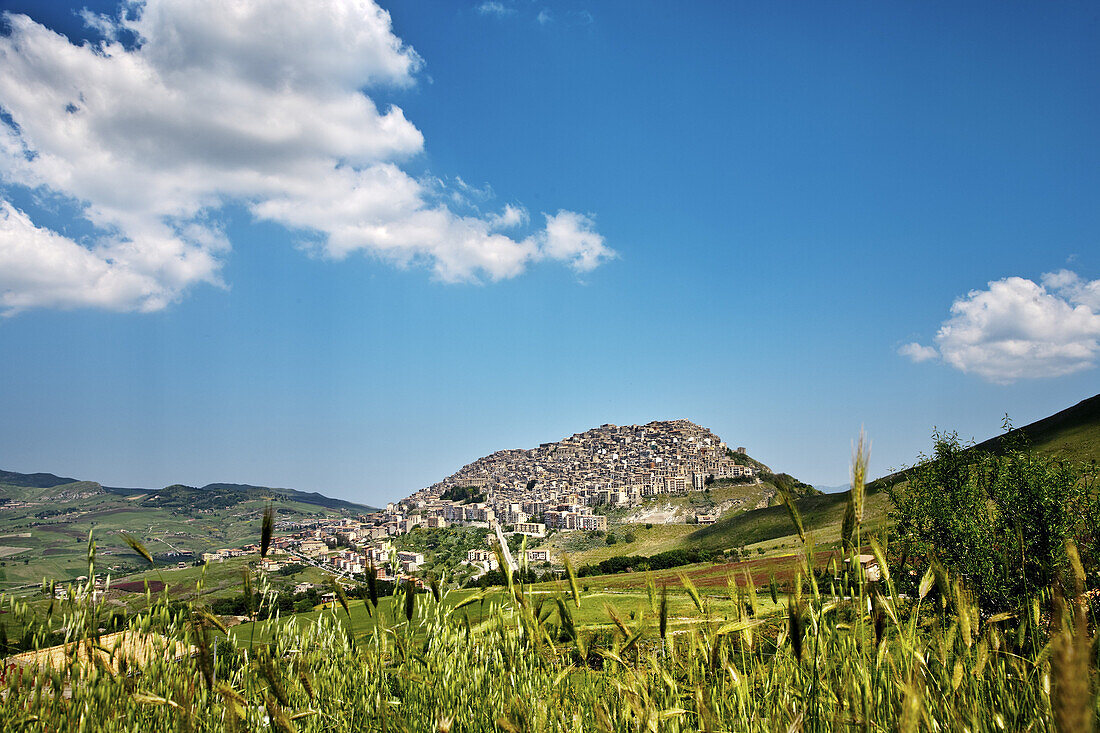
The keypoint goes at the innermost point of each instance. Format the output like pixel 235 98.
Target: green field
pixel 625 594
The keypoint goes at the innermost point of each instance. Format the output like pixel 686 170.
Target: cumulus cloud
pixel 206 103
pixel 572 238
pixel 1019 329
pixel 918 353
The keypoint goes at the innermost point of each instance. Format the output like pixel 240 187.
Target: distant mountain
pixel 304 497
pixel 221 495
pixel 33 480
pixel 46 521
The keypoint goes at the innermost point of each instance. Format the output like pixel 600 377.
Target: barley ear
pixel 572 582
pixel 860 456
pixel 266 530
pixel 136 546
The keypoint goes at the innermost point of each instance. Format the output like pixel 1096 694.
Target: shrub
pixel 997 522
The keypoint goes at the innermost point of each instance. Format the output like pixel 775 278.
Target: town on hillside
pixel 557 486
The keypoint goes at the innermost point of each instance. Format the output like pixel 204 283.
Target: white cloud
pixel 918 353
pixel 1019 329
pixel 494 8
pixel 510 218
pixel 258 103
pixel 1073 288
pixel 572 238
pixel 39 267
pixel 544 16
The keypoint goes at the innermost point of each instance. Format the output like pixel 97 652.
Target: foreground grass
pixel 593 615
pixel 847 656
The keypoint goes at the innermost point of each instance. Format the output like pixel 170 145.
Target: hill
pixel 177 495
pixel 226 495
pixel 44 524
pixel 612 465
pixel 33 480
pixel 1073 433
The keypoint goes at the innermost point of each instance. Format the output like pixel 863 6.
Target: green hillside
pixel 28 486
pixel 1072 434
pixel 45 521
pixel 821 514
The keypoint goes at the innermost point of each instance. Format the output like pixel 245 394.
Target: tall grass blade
pixel 267 529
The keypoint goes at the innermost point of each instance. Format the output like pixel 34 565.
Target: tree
pixel 996 522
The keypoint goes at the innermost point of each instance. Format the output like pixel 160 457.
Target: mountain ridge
pixel 52 481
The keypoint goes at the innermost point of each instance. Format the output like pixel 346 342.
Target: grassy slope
pixel 1073 433
pixel 821 515
pixel 57 545
pixel 584 548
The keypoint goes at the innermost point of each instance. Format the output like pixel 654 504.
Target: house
pixel 531 529
pixel 313 548
pixel 871 569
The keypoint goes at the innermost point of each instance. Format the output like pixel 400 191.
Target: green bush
pixel 997 522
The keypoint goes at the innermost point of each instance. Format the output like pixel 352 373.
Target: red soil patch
pixel 138 586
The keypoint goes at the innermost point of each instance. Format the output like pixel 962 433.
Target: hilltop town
pixel 563 486
pixel 557 485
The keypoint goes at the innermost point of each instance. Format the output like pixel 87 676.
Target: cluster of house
pixel 555 486
pixel 485 560
pixel 558 485
pixel 345 546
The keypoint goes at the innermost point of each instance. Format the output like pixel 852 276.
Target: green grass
pixel 694 648
pixel 767 529
pixel 1072 434
pixel 627 596
pixel 821 514
pixel 544 661
pixel 583 548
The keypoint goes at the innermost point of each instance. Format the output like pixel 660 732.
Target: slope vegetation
pixel 1073 433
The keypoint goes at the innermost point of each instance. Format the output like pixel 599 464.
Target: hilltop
pixel 647 485
pixel 613 465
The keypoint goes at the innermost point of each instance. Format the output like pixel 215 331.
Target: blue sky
pixel 341 255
